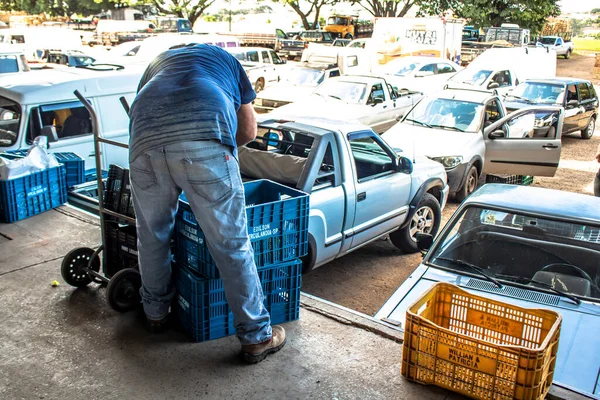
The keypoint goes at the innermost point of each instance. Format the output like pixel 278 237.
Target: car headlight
pixel 258 102
pixel 448 162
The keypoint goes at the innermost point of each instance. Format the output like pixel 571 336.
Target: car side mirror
pixel 49 131
pixel 421 74
pixel 404 165
pixel 377 100
pixel 283 61
pixel 424 241
pixel 573 103
pixel 497 134
pixel 493 85
pixel 131 53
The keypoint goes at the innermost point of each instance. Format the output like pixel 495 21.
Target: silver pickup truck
pixel 360 188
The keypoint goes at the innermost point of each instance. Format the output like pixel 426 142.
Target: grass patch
pixel 586 44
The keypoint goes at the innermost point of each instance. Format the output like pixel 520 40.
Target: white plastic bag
pixel 37 159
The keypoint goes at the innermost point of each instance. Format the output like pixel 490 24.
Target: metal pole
pixel 230 15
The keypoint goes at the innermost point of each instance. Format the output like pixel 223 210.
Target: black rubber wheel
pixel 96 258
pixel 470 185
pixel 123 290
pixel 72 267
pixel 426 219
pixel 568 54
pixel 588 132
pixel 259 86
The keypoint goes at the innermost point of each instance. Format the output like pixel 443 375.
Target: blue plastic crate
pixel 90 174
pixel 74 165
pixel 203 311
pixel 32 194
pixel 277 220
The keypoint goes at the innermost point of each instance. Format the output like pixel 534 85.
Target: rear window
pixel 8 64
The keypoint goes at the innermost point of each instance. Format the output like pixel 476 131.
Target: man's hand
pixel 246 130
pixel 598 157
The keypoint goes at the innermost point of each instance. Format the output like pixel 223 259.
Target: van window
pixel 8 64
pixel 253 56
pixel 17 39
pixel 70 120
pixel 10 120
pixel 352 61
pixel 265 56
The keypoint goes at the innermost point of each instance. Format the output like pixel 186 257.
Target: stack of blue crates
pixel 277 220
pixel 41 191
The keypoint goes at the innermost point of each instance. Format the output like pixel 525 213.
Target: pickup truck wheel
pixel 588 132
pixel 259 86
pixel 568 54
pixel 469 186
pixel 426 219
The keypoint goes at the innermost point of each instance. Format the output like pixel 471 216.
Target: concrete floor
pixel 62 343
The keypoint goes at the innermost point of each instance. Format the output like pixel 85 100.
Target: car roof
pixel 319 122
pixel 537 200
pixel 476 96
pixel 54 85
pixel 561 80
pixel 420 59
pixel 359 78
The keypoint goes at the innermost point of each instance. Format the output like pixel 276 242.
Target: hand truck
pixel 81 266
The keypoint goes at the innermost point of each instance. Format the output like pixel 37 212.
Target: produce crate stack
pixel 277 221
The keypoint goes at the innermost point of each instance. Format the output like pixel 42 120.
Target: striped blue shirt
pixel 187 94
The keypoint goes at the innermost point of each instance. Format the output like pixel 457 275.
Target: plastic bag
pixel 37 159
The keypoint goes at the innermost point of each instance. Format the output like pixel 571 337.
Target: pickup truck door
pixel 382 192
pixel 511 148
pixel 268 67
pixel 384 109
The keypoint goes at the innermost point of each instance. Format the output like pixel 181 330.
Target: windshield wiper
pixel 520 98
pixel 452 128
pixel 520 279
pixel 418 122
pixel 474 268
pixel 335 97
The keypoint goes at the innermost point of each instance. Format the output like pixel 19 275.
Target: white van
pixel 42 103
pixel 30 40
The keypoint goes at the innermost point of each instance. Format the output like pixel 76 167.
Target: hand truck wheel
pixel 96 258
pixel 74 265
pixel 123 290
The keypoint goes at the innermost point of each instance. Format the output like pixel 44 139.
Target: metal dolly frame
pixel 81 266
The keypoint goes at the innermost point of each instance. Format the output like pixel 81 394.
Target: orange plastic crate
pixel 481 348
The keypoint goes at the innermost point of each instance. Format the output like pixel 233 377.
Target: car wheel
pixel 259 86
pixel 568 54
pixel 469 186
pixel 426 219
pixel 588 132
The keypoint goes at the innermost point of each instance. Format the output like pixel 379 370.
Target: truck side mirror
pixel 493 85
pixel 404 165
pixel 377 100
pixel 572 103
pixel 497 134
pixel 49 131
pixel 424 241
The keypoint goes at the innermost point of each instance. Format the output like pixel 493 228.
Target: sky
pixel 569 6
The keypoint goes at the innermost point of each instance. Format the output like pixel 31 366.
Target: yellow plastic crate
pixel 481 348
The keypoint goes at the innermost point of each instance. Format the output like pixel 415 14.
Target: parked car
pixel 42 103
pixel 511 244
pixel 71 58
pixel 262 65
pixel 425 74
pixel 470 133
pixel 298 83
pixel 317 36
pixel 350 173
pixel 558 44
pixel 368 100
pixel 577 96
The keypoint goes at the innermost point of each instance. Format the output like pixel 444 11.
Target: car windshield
pixel 448 114
pixel 472 77
pixel 10 119
pixel 548 40
pixel 348 92
pixel 79 61
pixel 337 21
pixel 305 76
pixel 518 248
pixel 400 67
pixel 540 93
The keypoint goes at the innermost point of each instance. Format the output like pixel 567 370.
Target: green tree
pixel 577 27
pixel 595 11
pixel 314 9
pixel 190 9
pixel 531 14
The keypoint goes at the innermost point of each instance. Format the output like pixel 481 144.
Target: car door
pixel 277 63
pixel 375 177
pixel 573 109
pixel 269 68
pixel 511 147
pixel 382 113
pixel 587 102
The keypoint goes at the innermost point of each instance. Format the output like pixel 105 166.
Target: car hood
pixel 578 360
pixel 286 92
pixel 429 142
pixel 320 107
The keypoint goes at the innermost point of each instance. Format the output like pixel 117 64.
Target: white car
pixel 297 84
pixel 426 74
pixel 262 65
pixel 364 99
pixel 470 133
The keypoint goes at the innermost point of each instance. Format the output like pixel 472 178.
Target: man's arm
pixel 246 130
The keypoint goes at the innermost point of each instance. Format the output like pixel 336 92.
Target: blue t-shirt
pixel 186 94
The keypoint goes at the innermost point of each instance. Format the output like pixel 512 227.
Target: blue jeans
pixel 208 173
